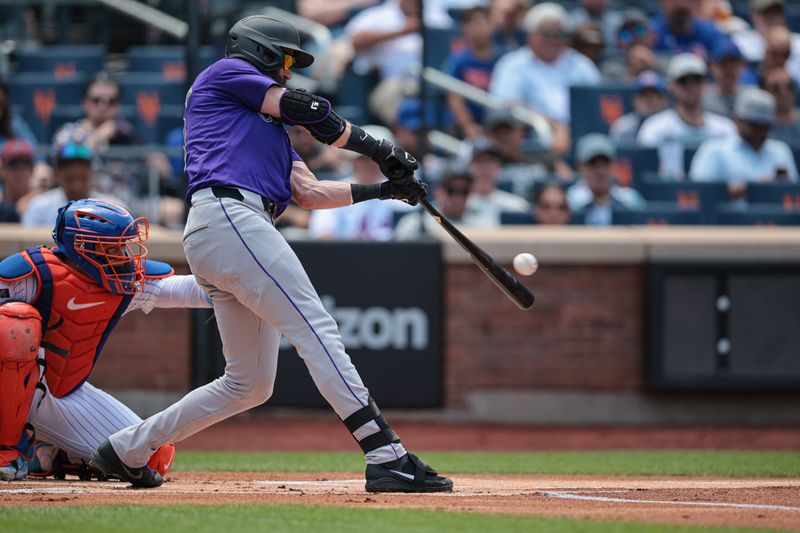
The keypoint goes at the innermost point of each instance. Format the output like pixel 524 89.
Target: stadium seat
pixel 168 61
pixel 688 155
pixel 688 195
pixel 151 130
pixel 658 214
pixel 757 215
pixel 784 194
pixel 39 95
pixel 633 162
pixel 439 43
pixel 516 219
pixel 352 96
pixel 793 17
pixel 521 219
pixel 148 91
pixel 62 62
pixel 598 107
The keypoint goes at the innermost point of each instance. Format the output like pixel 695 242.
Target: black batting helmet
pixel 259 40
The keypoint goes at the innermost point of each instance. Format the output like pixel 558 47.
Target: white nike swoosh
pixel 409 476
pixel 72 306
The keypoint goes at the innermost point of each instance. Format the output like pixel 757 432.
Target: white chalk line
pixel 570 496
pixel 311 482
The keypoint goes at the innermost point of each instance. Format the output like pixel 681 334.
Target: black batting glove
pixel 409 190
pixel 395 163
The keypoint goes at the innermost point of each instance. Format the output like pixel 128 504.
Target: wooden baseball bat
pixel 501 277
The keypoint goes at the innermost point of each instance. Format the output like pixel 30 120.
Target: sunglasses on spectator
pixel 552 33
pixel 691 78
pixel 19 163
pixel 550 207
pixel 457 191
pixel 96 100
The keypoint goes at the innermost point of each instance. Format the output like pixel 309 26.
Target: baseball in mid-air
pixel 525 264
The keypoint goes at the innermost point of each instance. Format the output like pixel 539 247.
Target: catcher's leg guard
pixel 20 336
pixel 161 461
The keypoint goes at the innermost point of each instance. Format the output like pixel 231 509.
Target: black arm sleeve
pixel 361 142
pixel 300 108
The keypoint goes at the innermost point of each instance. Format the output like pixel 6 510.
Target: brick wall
pixel 147 351
pixel 585 331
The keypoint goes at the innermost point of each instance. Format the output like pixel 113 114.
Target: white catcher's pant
pixel 79 422
pixel 259 290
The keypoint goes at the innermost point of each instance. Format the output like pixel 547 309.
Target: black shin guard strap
pixel 366 414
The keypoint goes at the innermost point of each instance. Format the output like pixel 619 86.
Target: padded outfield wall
pixel 586 352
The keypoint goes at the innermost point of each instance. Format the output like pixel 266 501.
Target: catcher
pixel 57 308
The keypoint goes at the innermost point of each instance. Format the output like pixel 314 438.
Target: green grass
pixel 295 519
pixel 638 463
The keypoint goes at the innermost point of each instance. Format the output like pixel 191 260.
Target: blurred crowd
pixel 713 96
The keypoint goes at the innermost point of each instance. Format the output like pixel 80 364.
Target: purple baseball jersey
pixel 228 141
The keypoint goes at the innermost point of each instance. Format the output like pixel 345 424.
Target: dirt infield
pixel 773 503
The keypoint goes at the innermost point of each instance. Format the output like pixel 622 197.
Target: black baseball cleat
pixel 107 460
pixel 407 474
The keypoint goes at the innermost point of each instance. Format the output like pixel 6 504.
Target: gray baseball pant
pixel 259 291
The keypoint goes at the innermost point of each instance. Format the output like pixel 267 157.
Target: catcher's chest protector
pixel 79 315
pixel 20 335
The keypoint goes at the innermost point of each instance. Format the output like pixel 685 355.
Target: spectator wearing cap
pixel 361 221
pixel 687 124
pixel 650 98
pixel 486 201
pixel 588 40
pixel 473 64
pixel 634 40
pixel 16 171
pixel 783 88
pixel 508 138
pixel 550 207
pixel 73 173
pixel 678 30
pixel 410 130
pixel 730 73
pixel 539 76
pixel 600 12
pixel 769 15
pixel 506 134
pixel 749 156
pixel 450 197
pixel 596 193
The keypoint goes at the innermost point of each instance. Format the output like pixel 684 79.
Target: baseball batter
pixel 242 173
pixel 57 308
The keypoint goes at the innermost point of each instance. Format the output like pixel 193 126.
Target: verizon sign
pixel 387 300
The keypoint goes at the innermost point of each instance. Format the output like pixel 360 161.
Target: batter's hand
pixel 395 163
pixel 409 190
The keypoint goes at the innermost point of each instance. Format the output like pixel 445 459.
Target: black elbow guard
pixel 301 108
